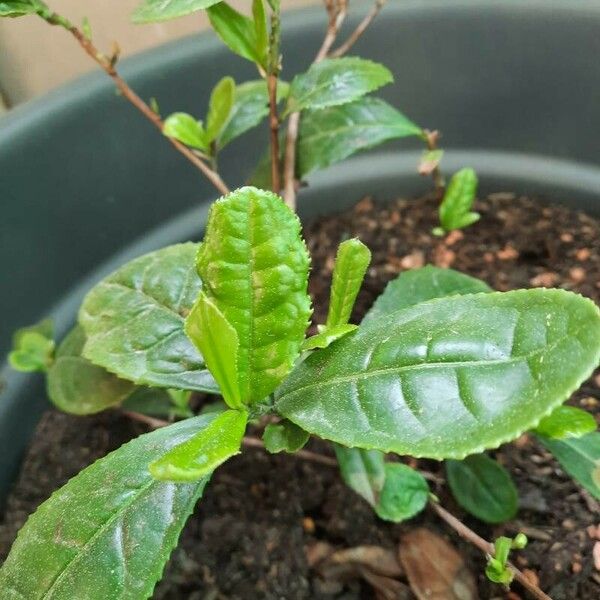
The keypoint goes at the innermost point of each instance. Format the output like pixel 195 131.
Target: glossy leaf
pixel 218 342
pixel 109 531
pixel 566 422
pixel 331 135
pixel 219 107
pixel 259 16
pixel 284 437
pixel 33 347
pixel 237 31
pixel 363 471
pixel 151 11
pixel 336 81
pixel 405 493
pixel 455 209
pixel 187 130
pixel 254 265
pixel 351 264
pixel 250 107
pixel 198 456
pixel 77 386
pixel 580 458
pixel 20 8
pixel 448 377
pixel 327 336
pixel 420 285
pixel 483 488
pixel 134 319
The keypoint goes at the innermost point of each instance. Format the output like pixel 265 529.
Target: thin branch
pixel 360 29
pixel 108 66
pixel 272 76
pixel 486 548
pixel 431 138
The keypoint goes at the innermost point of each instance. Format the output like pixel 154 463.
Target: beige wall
pixel 35 57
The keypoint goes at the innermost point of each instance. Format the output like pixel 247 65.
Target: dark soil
pixel 260 513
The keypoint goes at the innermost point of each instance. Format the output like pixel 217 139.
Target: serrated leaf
pixel 187 130
pixel 20 8
pixel 219 107
pixel 219 344
pixel 237 31
pixel 151 11
pixel 363 471
pixel 580 458
pixel 331 135
pixel 77 386
pixel 198 456
pixel 284 437
pixel 405 493
pixel 566 422
pixel 448 377
pixel 483 488
pixel 254 265
pixel 351 264
pixel 455 209
pixel 420 285
pixel 134 320
pixel 336 81
pixel 109 531
pixel 327 337
pixel 250 107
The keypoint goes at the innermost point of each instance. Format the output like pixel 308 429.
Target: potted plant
pixel 441 367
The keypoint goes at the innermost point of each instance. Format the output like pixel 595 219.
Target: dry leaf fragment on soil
pixel 435 570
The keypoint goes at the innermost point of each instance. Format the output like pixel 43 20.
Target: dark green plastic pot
pixel 86 183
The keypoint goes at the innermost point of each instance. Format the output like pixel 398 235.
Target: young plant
pixel 441 367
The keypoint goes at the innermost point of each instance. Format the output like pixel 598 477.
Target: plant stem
pixel 337 11
pixel 272 76
pixel 360 29
pixel 485 547
pixel 431 139
pixel 108 66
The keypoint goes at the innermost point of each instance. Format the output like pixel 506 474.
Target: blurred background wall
pixel 34 57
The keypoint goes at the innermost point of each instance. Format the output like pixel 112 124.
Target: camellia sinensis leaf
pixel 254 266
pixel 219 107
pixel 327 336
pixel 151 11
pixel 205 451
pixel 33 347
pixel 133 321
pixel 109 531
pixel 284 437
pixel 455 209
pixel 566 422
pixel 20 8
pixel 483 487
pixel 405 493
pixel 448 377
pixel 362 470
pixel 187 130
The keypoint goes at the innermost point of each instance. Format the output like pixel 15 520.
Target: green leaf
pixel 250 107
pixel 455 209
pixel 260 25
pixel 580 458
pixel 327 336
pixel 20 8
pixel 77 386
pixel 363 471
pixel 156 402
pixel 151 11
pixel 483 488
pixel 237 31
pixel 134 320
pixel 419 285
pixel 448 377
pixel 109 531
pixel 336 81
pixel 351 264
pixel 254 265
pixel 566 422
pixel 331 135
pixel 187 130
pixel 404 494
pixel 33 347
pixel 496 569
pixel 218 342
pixel 219 107
pixel 198 456
pixel 284 437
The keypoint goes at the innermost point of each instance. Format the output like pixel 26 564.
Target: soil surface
pixel 264 518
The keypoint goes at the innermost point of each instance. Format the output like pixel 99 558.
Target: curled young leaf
pixel 448 377
pixel 336 81
pixel 219 107
pixel 483 487
pixel 198 456
pixel 33 348
pixel 151 11
pixel 284 437
pixel 109 531
pixel 327 336
pixel 187 130
pixel 455 209
pixel 566 422
pixel 254 266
